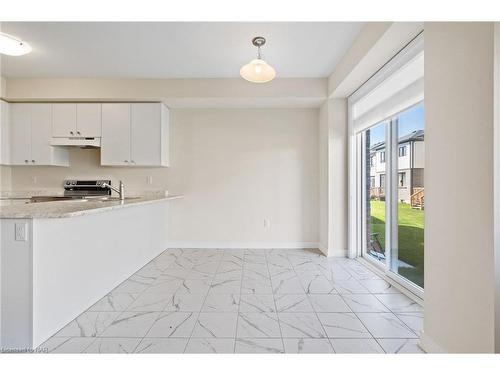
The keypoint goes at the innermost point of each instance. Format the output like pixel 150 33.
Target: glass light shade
pixel 257 71
pixel 12 46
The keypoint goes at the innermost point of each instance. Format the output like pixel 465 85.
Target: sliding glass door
pixel 372 159
pixel 386 168
pixel 407 257
pixel 391 195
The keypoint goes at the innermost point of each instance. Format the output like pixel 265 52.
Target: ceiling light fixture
pixel 257 70
pixel 10 45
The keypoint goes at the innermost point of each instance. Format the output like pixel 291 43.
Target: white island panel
pixel 75 262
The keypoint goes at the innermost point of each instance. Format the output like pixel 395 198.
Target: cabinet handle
pixel 32 161
pixel 78 133
pixel 71 133
pixel 126 161
pixel 26 160
pixel 132 161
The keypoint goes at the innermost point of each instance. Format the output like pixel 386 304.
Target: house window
pixel 382 180
pixel 382 156
pixel 372 181
pixel 402 151
pixel 402 179
pixel 372 161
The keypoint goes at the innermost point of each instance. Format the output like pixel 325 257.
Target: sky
pixel 411 120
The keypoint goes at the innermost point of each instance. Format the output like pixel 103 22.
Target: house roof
pixel 416 135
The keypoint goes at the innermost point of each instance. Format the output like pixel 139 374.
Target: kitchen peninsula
pixel 58 258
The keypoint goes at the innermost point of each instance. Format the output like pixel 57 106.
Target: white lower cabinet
pixel 31 131
pixel 135 134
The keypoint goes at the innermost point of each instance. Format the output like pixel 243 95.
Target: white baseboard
pixel 323 248
pixel 332 252
pixel 342 253
pixel 242 245
pixel 428 345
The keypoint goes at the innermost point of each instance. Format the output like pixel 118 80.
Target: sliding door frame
pixel 356 224
pixel 357 194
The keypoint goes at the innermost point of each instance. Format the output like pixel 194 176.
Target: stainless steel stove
pixel 86 188
pixel 79 190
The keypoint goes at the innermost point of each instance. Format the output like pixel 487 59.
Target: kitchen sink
pixel 117 198
pixel 44 199
pixel 61 199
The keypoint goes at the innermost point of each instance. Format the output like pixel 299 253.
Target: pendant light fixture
pixel 258 70
pixel 12 46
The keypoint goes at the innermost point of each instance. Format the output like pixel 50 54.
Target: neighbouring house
pixel 410 169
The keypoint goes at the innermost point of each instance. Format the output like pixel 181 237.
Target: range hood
pixel 91 142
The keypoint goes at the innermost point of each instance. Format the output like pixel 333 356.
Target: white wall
pixel 459 271
pixel 236 167
pixel 497 183
pixel 5 177
pixel 333 177
pixel 376 44
pixel 323 173
pixel 175 93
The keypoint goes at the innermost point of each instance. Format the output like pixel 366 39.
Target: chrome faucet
pixel 120 191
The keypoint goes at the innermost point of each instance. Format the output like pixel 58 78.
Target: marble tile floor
pixel 246 301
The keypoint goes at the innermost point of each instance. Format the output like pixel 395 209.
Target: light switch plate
pixel 21 231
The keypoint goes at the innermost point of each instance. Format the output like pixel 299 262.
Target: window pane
pixel 408 257
pixel 374 194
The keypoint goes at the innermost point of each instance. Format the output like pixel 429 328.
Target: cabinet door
pixel 4 133
pixel 41 129
pixel 20 134
pixel 88 119
pixel 115 141
pixel 145 141
pixel 64 120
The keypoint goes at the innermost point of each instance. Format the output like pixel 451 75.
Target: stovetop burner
pixel 86 188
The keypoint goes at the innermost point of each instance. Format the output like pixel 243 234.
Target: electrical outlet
pixel 149 180
pixel 21 229
pixel 267 223
pixel 34 180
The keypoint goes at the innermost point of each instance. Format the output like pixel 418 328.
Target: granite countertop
pixel 27 194
pixel 64 209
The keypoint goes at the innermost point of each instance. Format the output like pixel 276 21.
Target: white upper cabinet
pixel 20 117
pixel 132 134
pixel 135 134
pixel 88 119
pixel 41 125
pixel 115 141
pixel 76 120
pixel 31 128
pixel 149 134
pixel 4 133
pixel 64 120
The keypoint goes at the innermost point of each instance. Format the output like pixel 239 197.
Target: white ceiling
pixel 175 50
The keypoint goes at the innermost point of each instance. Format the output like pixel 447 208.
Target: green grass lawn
pixel 410 237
